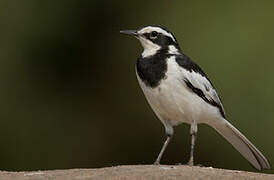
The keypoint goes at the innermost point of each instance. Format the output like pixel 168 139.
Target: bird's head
pixel 154 38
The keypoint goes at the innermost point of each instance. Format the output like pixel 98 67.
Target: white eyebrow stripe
pixel 149 29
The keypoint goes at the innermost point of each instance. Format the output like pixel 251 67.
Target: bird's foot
pixel 190 162
pixel 156 163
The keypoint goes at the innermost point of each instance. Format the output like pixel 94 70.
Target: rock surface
pixel 134 172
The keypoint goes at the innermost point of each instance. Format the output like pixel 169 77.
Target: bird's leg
pixel 193 133
pixel 157 162
pixel 169 133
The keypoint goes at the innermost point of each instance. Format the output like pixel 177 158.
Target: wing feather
pixel 199 83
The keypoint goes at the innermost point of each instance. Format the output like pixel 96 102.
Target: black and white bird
pixel 179 91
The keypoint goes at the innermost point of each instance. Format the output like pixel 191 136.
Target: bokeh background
pixel 69 96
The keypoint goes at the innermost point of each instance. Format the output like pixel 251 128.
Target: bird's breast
pixel 172 100
pixel 151 70
pixel 169 99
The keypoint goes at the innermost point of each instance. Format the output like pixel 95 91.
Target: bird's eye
pixel 153 34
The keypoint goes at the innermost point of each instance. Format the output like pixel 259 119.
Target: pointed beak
pixel 129 32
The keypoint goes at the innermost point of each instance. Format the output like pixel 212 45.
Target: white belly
pixel 173 102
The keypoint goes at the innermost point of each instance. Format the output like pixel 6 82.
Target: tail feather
pixel 241 143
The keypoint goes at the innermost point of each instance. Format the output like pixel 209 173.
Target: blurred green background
pixel 69 96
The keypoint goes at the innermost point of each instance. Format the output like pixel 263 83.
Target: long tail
pixel 241 143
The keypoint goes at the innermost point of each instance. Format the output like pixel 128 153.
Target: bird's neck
pixel 155 51
pixel 151 51
pixel 174 50
pixel 152 69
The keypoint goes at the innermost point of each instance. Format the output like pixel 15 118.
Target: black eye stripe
pixel 154 34
pixel 149 35
pixel 161 39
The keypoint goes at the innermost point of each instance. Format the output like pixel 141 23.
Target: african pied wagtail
pixel 179 91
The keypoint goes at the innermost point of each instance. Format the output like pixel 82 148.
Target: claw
pixel 190 163
pixel 156 163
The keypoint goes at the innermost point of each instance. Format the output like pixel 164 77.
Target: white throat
pixel 149 48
